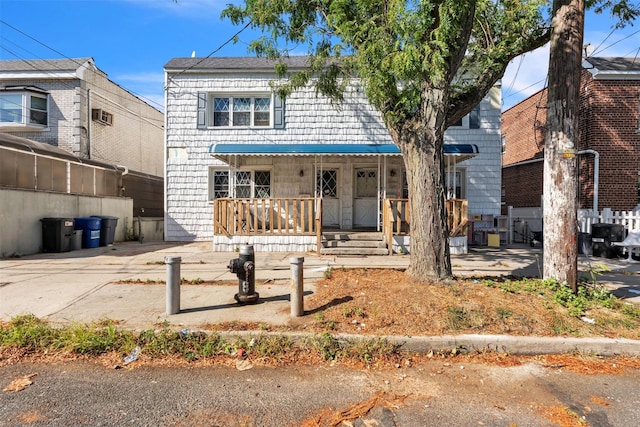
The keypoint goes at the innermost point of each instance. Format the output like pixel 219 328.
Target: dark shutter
pixel 474 118
pixel 202 110
pixel 278 113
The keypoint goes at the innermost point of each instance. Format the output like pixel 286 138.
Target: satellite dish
pixel 193 54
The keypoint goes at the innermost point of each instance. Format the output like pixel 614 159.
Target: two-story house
pixel 74 143
pixel 608 141
pixel 73 105
pixel 244 166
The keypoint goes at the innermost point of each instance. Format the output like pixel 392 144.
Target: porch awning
pixel 223 152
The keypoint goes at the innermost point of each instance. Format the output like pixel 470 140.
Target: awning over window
pixel 458 152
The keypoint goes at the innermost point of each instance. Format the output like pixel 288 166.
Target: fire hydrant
pixel 244 268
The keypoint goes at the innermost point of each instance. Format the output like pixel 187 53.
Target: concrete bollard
pixel 297 288
pixel 173 284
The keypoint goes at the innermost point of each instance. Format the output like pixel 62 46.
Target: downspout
pixel 89 123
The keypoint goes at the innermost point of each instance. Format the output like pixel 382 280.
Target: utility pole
pixel 560 260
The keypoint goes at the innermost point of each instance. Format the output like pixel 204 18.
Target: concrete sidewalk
pixel 79 286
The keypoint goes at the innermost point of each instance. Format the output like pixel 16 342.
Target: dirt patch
pixel 388 302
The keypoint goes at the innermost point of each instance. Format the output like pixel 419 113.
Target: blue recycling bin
pixel 90 227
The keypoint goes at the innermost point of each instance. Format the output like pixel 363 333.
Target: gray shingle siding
pixel 308 119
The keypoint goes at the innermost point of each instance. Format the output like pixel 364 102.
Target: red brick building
pixel 609 131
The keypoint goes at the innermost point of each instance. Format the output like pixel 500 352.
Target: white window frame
pixel 462 173
pixel 252 110
pixel 25 122
pixel 232 191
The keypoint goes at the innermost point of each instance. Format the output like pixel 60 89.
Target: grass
pixel 30 335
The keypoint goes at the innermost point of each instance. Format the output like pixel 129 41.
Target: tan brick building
pixel 73 105
pixel 609 138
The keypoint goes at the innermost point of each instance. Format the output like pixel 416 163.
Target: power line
pixel 213 52
pixel 149 101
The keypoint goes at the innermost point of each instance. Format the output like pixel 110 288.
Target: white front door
pixel 327 186
pixel 365 210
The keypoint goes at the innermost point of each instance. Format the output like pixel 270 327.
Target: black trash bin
pixel 107 229
pixel 602 237
pixel 56 234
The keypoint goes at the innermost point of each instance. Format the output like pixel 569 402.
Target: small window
pixel 327 183
pixel 221 111
pixel 24 107
pixel 262 112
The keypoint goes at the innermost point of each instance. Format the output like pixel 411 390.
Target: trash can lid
pixel 104 217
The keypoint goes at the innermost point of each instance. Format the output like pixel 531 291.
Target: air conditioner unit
pixel 101 116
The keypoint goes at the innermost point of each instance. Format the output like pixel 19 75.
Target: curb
pixel 515 345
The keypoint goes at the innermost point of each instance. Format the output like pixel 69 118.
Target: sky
pixel 132 40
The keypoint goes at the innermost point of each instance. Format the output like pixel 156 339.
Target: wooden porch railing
pixel 395 218
pixel 271 216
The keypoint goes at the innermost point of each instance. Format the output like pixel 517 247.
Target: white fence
pixel 523 222
pixel 630 219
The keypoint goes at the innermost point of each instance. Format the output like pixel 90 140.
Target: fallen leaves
pixel 20 383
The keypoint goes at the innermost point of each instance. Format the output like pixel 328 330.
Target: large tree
pixel 560 201
pixel 423 64
pixel 560 160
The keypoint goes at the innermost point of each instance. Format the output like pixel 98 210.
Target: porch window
pixel 246 184
pixel 24 108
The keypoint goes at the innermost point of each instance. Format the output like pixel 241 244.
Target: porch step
pixel 353 243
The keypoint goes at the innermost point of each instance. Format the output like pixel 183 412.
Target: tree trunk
pixel 421 142
pixel 560 155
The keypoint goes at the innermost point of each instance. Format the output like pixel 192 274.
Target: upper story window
pixel 470 121
pixel 24 108
pixel 215 110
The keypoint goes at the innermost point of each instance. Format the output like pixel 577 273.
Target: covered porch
pixel 289 197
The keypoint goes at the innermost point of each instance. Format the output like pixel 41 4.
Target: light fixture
pixel 392 172
pixel 301 172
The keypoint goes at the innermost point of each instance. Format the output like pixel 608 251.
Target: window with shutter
pixel 239 111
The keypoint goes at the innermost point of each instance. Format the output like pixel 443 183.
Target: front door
pixel 365 211
pixel 327 188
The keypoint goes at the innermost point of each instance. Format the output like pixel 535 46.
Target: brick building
pixel 73 105
pixel 608 140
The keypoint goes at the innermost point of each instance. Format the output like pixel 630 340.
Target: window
pixel 327 183
pixel 24 108
pixel 245 184
pixel 471 120
pixel 239 111
pixel 456 184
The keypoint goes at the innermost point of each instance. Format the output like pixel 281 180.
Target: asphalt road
pixel 436 393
